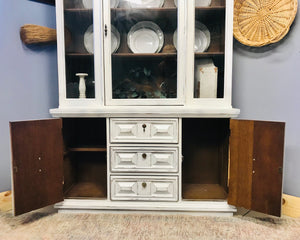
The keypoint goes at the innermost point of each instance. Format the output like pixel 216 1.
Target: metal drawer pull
pixel 144 185
pixel 144 155
pixel 144 127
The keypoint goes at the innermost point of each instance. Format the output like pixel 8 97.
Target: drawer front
pixel 146 159
pixel 143 130
pixel 144 188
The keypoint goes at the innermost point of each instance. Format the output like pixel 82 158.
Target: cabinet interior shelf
pixel 203 191
pixel 132 55
pixel 79 54
pixel 79 10
pixel 88 149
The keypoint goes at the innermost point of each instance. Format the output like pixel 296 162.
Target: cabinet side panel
pixel 240 173
pixel 37 152
pixel 267 177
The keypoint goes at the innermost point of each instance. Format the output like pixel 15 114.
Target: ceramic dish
pixel 202 37
pixel 202 42
pixel 89 3
pixel 142 3
pixel 115 39
pixel 198 3
pixel 145 37
pixel 89 39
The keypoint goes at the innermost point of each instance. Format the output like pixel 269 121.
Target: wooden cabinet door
pixel 37 164
pixel 256 161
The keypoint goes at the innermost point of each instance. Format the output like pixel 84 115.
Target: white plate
pixel 89 39
pixel 145 37
pixel 200 26
pixel 115 39
pixel 198 3
pixel 142 3
pixel 89 3
pixel 202 37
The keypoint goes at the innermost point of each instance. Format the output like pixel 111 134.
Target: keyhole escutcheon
pixel 144 127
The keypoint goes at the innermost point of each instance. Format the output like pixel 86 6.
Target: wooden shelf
pixel 86 190
pixel 203 191
pixel 133 55
pixel 161 55
pixel 209 54
pixel 79 55
pixel 88 149
pixel 79 10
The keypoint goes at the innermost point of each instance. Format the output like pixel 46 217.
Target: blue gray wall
pixel 265 83
pixel 28 76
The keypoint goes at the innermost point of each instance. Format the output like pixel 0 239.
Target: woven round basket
pixel 258 23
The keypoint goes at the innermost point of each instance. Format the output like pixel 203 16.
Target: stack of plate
pixel 141 3
pixel 145 37
pixel 89 39
pixel 89 3
pixel 202 37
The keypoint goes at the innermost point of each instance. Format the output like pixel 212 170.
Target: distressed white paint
pixel 146 188
pixel 146 181
pixel 188 207
pixel 144 159
pixel 143 130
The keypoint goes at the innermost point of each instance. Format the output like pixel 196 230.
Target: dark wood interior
pixel 205 152
pixel 37 152
pixel 85 163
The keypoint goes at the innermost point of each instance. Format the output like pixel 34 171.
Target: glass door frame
pixel 226 101
pixel 181 56
pixel 61 58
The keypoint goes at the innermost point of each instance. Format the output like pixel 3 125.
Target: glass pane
pixel 79 46
pixel 144 58
pixel 209 48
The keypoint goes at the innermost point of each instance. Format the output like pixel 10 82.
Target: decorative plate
pixel 142 3
pixel 89 3
pixel 198 3
pixel 261 22
pixel 89 39
pixel 115 39
pixel 145 37
pixel 202 37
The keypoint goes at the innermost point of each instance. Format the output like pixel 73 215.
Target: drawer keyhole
pixel 144 185
pixel 144 127
pixel 144 155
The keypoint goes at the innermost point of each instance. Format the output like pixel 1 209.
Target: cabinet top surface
pixel 146 111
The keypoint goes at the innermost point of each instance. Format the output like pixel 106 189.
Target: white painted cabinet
pixel 144 116
pixel 144 159
pixel 144 130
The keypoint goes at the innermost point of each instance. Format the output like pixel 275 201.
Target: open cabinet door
pixel 37 164
pixel 256 161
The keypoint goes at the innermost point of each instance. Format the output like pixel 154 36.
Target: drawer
pixel 144 159
pixel 144 188
pixel 143 130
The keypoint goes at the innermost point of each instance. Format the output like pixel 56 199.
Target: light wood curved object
pixel 261 22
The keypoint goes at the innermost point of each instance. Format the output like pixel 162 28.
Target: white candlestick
pixel 82 87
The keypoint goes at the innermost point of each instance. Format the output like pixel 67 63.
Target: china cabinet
pixel 144 121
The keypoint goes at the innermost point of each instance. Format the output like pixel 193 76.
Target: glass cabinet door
pixel 145 39
pixel 79 50
pixel 209 49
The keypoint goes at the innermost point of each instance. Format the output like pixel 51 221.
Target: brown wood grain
pixel 203 191
pixel 241 155
pixel 37 164
pixel 268 152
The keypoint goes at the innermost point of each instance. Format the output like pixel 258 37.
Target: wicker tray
pixel 261 22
